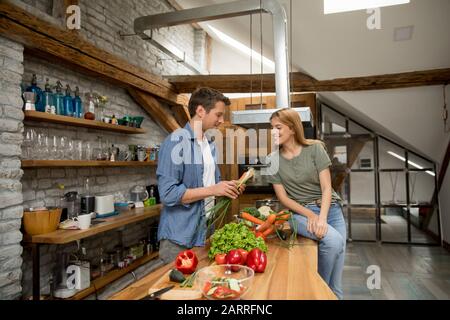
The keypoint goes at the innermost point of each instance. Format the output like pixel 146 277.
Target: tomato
pixel 207 287
pixel 234 257
pixel 186 261
pixel 244 254
pixel 221 258
pixel 223 292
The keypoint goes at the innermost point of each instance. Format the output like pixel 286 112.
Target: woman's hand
pixel 321 227
pixel 312 220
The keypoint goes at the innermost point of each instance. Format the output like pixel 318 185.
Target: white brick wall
pixel 11 127
pixel 40 185
pixel 101 22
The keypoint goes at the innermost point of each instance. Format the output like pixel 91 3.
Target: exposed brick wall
pixel 11 127
pixel 40 185
pixel 101 22
pixel 45 6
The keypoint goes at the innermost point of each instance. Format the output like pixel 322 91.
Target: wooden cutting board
pixel 176 293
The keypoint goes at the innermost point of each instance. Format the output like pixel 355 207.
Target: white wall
pixel 225 60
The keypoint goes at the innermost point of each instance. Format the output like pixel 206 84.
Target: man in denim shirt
pixel 188 174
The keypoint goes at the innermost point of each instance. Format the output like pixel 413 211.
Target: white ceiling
pixel 341 45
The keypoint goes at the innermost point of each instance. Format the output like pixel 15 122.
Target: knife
pixel 156 294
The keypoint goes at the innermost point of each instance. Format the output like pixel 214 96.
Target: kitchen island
pixel 291 274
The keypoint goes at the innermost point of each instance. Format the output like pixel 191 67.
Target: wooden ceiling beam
pixel 155 109
pixel 181 114
pixel 242 83
pixel 37 34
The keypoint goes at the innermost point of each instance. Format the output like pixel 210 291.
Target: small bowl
pixel 121 207
pixel 138 121
pixel 224 282
pixel 41 220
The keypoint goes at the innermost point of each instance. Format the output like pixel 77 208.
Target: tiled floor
pixel 407 272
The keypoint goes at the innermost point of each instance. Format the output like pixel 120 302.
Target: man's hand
pixel 321 227
pixel 225 188
pixel 241 188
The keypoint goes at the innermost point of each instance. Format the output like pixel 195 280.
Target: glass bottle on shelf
pixel 78 104
pixel 113 119
pixel 90 112
pixel 101 105
pixel 40 106
pixel 48 99
pixel 59 99
pixel 68 103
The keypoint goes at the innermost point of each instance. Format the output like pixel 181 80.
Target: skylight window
pixel 335 6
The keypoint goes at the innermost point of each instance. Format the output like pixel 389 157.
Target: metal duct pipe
pixel 228 10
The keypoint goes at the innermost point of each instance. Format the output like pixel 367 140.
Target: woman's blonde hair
pixel 291 118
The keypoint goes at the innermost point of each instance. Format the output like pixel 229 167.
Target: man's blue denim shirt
pixel 180 167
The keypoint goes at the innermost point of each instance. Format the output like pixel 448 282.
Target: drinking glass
pixel 106 149
pixel 70 150
pixel 28 142
pixel 77 150
pixel 63 142
pixel 42 146
pixel 53 149
pixel 87 151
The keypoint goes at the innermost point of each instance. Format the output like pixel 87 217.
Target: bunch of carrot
pixel 270 225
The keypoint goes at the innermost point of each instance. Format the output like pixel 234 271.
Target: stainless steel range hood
pixel 258 119
pixel 228 10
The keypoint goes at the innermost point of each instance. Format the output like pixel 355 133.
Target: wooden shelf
pixel 91 124
pixel 113 275
pixel 84 163
pixel 65 236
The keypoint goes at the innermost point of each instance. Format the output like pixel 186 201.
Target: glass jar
pixel 90 112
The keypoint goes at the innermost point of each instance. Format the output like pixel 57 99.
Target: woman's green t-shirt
pixel 300 175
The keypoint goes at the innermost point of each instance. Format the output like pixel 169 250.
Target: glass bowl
pixel 138 121
pixel 224 282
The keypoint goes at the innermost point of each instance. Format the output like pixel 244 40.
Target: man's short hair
pixel 206 97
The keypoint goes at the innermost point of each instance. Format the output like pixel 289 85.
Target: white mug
pixel 84 221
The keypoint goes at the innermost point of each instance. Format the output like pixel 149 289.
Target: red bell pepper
pixel 186 262
pixel 257 260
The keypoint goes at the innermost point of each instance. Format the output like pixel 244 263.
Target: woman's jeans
pixel 331 247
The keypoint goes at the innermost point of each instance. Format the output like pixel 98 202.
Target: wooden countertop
pixel 65 236
pixel 289 275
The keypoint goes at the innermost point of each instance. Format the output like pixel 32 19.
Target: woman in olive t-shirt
pixel 300 175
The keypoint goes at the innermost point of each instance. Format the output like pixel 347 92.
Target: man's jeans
pixel 331 247
pixel 168 251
